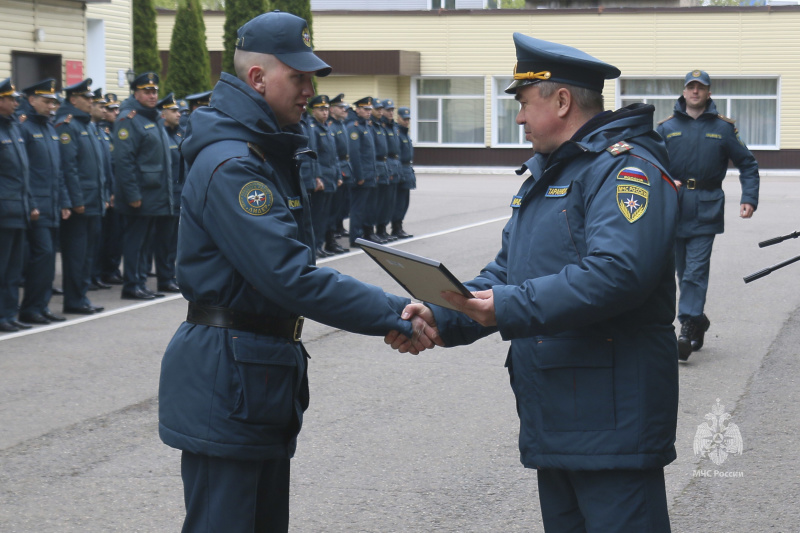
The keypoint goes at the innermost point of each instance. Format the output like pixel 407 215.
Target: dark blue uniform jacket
pixel 362 152
pixel 584 288
pixel 409 179
pixel 245 243
pixel 175 136
pixel 391 130
pixel 381 150
pixel 16 202
pixel 339 131
pixel 46 178
pixel 700 149
pixel 82 160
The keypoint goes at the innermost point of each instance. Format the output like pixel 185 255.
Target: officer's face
pixel 540 118
pixel 696 94
pixel 320 113
pixel 376 113
pixel 147 97
pixel 8 104
pixel 172 117
pixel 42 105
pixel 363 112
pixel 287 91
pixel 110 115
pixel 388 113
pixel 338 112
pixel 97 111
pixel 403 121
pixel 82 103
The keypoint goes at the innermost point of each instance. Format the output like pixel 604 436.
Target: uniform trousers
pixel 603 501
pixel 172 253
pixel 11 240
pixel 143 233
pixel 361 200
pixel 40 270
pixel 110 250
pixel 693 264
pixel 235 496
pixel 78 241
pixel 386 209
pixel 165 235
pixel 341 207
pixel 401 204
pixel 320 211
pixel 379 204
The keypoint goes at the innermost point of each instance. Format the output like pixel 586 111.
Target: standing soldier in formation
pixel 83 166
pixel 111 239
pixel 98 118
pixel 362 159
pixel 171 113
pixel 47 185
pixel 193 101
pixel 386 210
pixel 384 173
pixel 341 199
pixel 16 207
pixel 143 189
pixel 408 180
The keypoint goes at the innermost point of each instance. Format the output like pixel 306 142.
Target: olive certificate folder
pixel 423 278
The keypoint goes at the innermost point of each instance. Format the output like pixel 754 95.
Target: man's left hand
pixel 480 308
pixel 746 210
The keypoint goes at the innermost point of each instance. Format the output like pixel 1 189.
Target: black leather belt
pixel 380 158
pixel 345 158
pixel 693 184
pixel 222 317
pixel 395 156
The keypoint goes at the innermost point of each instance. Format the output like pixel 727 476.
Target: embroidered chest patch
pixel 255 198
pixel 633 174
pixel 516 202
pixel 558 191
pixel 632 201
pixel 294 203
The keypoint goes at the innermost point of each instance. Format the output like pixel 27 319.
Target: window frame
pixel 496 97
pixel 415 112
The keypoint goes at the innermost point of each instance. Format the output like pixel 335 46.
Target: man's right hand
pixel 136 205
pixel 79 210
pixel 425 336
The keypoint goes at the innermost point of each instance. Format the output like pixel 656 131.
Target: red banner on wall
pixel 74 72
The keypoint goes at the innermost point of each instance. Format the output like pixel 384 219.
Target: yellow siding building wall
pixel 118 17
pixel 62 21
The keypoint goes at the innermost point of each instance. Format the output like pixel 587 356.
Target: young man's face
pixel 388 113
pixel 696 95
pixel 97 111
pixel 363 112
pixel 539 117
pixel 110 114
pixel 338 112
pixel 8 104
pixel 42 105
pixel 81 103
pixel 172 117
pixel 320 113
pixel 147 97
pixel 287 92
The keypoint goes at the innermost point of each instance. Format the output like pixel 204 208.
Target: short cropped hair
pixel 587 100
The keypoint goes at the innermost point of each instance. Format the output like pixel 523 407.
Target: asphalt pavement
pixel 400 443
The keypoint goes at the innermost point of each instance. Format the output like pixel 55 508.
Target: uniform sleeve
pixel 124 159
pixel 744 160
pixel 265 250
pixel 623 264
pixel 68 148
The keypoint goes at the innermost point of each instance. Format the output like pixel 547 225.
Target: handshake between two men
pixel 426 333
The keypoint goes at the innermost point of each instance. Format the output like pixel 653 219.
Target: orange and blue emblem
pixel 633 174
pixel 255 198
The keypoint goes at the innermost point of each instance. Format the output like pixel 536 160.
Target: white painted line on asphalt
pixel 134 307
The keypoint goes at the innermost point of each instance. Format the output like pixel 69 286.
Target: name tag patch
pixel 673 134
pixel 713 135
pixel 633 174
pixel 632 201
pixel 558 191
pixel 294 203
pixel 516 202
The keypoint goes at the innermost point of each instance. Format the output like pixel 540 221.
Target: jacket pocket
pixel 577 383
pixel 151 176
pixel 711 206
pixel 264 381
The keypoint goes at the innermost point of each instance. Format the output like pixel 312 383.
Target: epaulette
pixel 355 123
pixel 22 118
pixel 619 148
pixel 666 119
pixel 66 120
pixel 256 150
pixel 726 119
pixel 131 114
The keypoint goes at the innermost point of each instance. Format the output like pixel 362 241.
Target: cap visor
pixel 305 62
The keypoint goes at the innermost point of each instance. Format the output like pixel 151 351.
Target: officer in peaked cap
pixel 338 100
pixel 246 266
pixel 408 180
pixel 365 172
pixel 198 99
pixel 392 132
pixel 110 257
pixel 103 133
pixel 44 89
pixel 599 183
pixel 112 101
pixel 168 241
pixel 82 88
pixel 384 174
pixel 341 200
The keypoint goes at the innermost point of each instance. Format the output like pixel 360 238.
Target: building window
pixel 752 102
pixel 443 4
pixel 506 131
pixel 449 111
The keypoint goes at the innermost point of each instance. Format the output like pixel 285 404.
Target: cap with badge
pixel 404 112
pixel 539 60
pixel 97 97
pixel 80 89
pixel 199 99
pixel 168 102
pixel 7 89
pixel 321 100
pixel 112 102
pixel 365 102
pixel 45 88
pixel 698 76
pixel 148 80
pixel 284 36
pixel 338 100
pixel 388 104
pixel 377 104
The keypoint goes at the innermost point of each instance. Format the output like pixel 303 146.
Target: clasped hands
pixel 426 333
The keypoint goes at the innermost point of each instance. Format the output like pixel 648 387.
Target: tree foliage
pixel 145 41
pixel 237 12
pixel 189 69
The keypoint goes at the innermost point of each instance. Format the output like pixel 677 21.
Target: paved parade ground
pixel 401 443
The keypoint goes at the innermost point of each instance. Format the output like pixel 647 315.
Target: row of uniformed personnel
pixel 97 178
pixel 362 170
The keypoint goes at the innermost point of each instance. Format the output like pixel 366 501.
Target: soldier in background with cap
pixel 104 136
pixel 386 209
pixel 341 199
pixel 17 207
pixel 110 257
pixel 408 180
pixel 49 192
pixel 234 383
pixel 83 163
pixel 143 188
pixel 700 142
pixel 365 172
pixel 384 173
pixel 168 241
pixel 584 288
pixel 193 101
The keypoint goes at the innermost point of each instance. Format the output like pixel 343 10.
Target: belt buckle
pixel 691 184
pixel 298 328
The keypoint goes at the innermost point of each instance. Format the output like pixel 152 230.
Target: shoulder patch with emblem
pixel 255 198
pixel 65 138
pixel 122 134
pixel 619 148
pixel 632 201
pixel 633 174
pixel 354 135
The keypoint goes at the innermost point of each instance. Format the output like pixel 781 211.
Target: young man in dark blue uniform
pixel 111 240
pixel 47 186
pixel 384 172
pixel 143 183
pixel 83 164
pixel 17 207
pixel 700 142
pixel 408 180
pixel 233 383
pixel 394 169
pixel 584 288
pixel 168 243
pixel 103 133
pixel 341 199
pixel 365 172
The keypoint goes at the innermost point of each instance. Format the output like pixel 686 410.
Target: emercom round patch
pixel 122 134
pixel 255 198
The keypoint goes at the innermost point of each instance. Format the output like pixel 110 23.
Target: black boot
pixel 370 235
pixel 397 230
pixel 383 235
pixel 685 339
pixel 331 246
pixel 701 325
